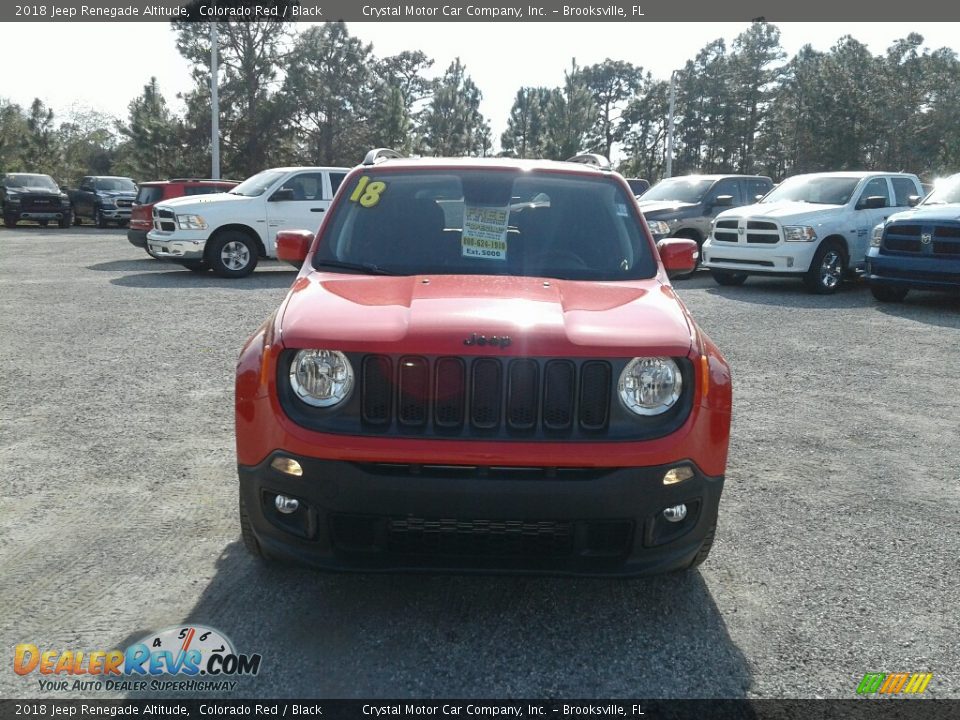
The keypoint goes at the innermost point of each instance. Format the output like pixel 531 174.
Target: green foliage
pixel 453 124
pixel 571 115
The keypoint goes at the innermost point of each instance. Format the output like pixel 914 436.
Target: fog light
pixel 677 475
pixel 288 466
pixel 289 505
pixel 671 514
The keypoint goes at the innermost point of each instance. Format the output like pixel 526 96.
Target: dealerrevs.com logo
pixel 187 658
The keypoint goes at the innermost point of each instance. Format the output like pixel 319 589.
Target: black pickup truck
pixel 103 199
pixel 27 196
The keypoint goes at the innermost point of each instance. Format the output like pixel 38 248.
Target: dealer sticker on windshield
pixel 485 232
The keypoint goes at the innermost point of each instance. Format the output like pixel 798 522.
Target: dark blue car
pixel 918 249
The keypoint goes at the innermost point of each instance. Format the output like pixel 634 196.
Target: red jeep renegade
pixel 482 365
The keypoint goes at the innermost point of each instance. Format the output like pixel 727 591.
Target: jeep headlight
pixel 191 222
pixel 659 227
pixel 877 238
pixel 322 378
pixel 650 386
pixel 799 233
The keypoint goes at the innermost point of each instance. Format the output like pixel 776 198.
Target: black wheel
pixel 704 549
pixel 65 222
pixel 43 223
pixel 98 219
pixel 197 266
pixel 726 277
pixel 827 269
pixel 246 532
pixel 232 255
pixel 76 219
pixel 888 293
pixel 9 222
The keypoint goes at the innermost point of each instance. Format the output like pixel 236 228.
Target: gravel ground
pixel 837 550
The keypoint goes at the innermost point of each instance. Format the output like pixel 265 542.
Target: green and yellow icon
pixel 894 683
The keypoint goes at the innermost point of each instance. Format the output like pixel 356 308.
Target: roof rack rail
pixel 595 159
pixel 379 155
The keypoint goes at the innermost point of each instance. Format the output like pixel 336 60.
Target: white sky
pixel 103 66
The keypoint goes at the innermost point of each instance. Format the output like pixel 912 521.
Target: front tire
pixel 66 221
pixel 98 219
pixel 232 255
pixel 43 223
pixel 889 294
pixel 728 278
pixel 827 269
pixel 704 549
pixel 9 222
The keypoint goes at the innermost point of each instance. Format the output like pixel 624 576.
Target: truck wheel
pixel 98 219
pixel 246 532
pixel 66 221
pixel 76 219
pixel 887 293
pixel 827 269
pixel 9 222
pixel 232 255
pixel 43 223
pixel 704 549
pixel 725 277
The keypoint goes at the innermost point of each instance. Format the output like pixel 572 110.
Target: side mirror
pixel 914 200
pixel 293 246
pixel 873 202
pixel 758 198
pixel 678 255
pixel 282 194
pixel 723 201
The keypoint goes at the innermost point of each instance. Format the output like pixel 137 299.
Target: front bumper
pixel 781 258
pixel 928 272
pixel 116 214
pixel 166 247
pixel 33 215
pixel 396 517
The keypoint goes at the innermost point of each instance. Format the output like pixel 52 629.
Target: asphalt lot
pixel 837 549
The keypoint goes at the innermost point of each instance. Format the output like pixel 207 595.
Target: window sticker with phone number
pixel 485 232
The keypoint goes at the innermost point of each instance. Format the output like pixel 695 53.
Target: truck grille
pixel 940 239
pixel 487 393
pixel 164 220
pixel 41 204
pixel 761 232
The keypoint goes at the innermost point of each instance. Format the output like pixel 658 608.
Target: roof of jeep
pixel 485 163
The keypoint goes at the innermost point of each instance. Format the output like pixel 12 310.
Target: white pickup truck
pixel 229 232
pixel 816 227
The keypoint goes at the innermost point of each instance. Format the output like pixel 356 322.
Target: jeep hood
pixel 541 317
pixel 787 213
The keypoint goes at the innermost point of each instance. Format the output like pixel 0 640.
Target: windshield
pixel 479 222
pixel 19 180
pixel 149 194
pixel 946 192
pixel 258 184
pixel 813 189
pixel 115 184
pixel 681 189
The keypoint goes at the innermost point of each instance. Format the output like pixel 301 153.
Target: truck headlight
pixel 659 227
pixel 877 238
pixel 799 233
pixel 191 222
pixel 650 386
pixel 322 378
pixel 108 202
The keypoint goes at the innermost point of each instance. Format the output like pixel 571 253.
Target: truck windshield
pixel 20 180
pixel 946 192
pixel 258 184
pixel 814 189
pixel 115 184
pixel 476 222
pixel 681 189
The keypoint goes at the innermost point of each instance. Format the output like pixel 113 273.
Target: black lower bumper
pixel 137 238
pixel 384 517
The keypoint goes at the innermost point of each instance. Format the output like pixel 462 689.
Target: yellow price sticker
pixel 368 193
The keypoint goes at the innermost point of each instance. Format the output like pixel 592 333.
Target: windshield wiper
pixel 367 268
